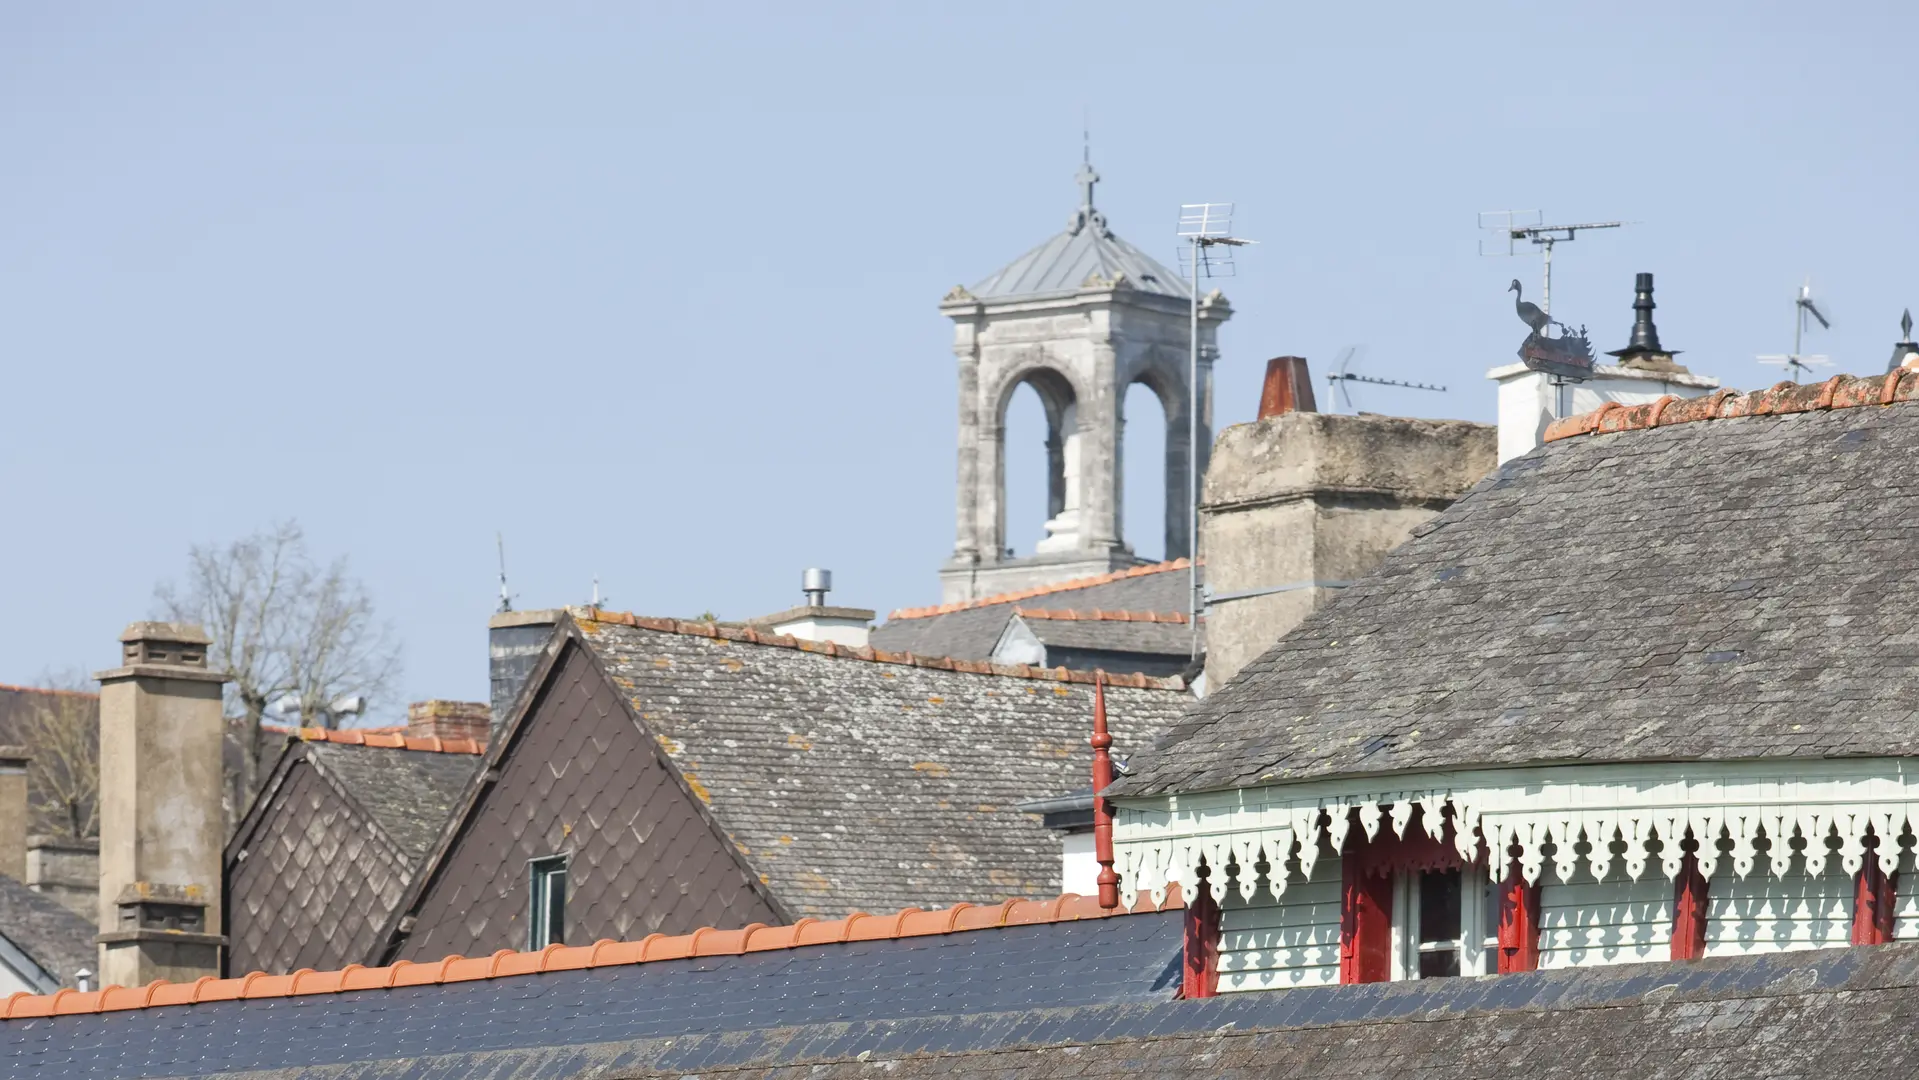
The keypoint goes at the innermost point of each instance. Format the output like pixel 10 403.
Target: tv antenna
pixel 1796 362
pixel 1207 229
pixel 1511 227
pixel 1341 376
pixel 506 599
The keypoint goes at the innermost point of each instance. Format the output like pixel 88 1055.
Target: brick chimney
pixel 161 824
pixel 13 811
pixel 449 720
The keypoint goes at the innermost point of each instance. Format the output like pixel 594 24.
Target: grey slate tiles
pixel 1732 588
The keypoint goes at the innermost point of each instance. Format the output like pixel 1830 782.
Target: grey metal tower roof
pixel 1087 247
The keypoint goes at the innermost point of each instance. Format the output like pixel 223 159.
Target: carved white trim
pixel 1758 813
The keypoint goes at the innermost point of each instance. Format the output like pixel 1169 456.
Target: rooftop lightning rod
pixel 1340 377
pixel 1507 225
pixel 1208 230
pixel 1795 362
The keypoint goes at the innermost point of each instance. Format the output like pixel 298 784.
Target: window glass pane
pixel 1439 909
pixel 1439 965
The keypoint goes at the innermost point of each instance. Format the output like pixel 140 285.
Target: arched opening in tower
pixel 1040 459
pixel 1143 480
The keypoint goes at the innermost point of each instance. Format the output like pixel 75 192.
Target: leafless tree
pixel 283 628
pixel 61 727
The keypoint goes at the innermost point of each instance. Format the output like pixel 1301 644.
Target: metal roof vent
pixel 816 583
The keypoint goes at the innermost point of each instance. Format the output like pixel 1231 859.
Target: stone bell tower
pixel 1080 319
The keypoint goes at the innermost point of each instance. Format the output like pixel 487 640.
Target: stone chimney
pixel 161 824
pixel 1299 505
pixel 515 640
pixel 449 720
pixel 816 620
pixel 66 870
pixel 13 811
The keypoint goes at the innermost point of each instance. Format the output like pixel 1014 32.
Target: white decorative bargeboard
pixel 1758 813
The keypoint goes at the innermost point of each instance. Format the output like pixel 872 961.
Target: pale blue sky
pixel 653 289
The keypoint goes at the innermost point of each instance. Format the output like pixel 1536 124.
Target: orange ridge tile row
pixel 859 926
pixel 1040 590
pixel 1098 615
pixel 392 740
pixel 48 690
pixel 735 632
pixel 1838 392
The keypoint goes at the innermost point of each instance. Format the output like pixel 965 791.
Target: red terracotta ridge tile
pixel 389 739
pixel 1041 590
pixel 1100 615
pixel 506 963
pixel 1780 399
pixel 50 691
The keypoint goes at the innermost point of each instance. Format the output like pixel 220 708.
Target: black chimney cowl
pixel 1644 346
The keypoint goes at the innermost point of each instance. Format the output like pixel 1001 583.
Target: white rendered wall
pixel 1586 923
pixel 852 633
pixel 1766 914
pixel 1079 872
pixel 1294 942
pixel 1528 401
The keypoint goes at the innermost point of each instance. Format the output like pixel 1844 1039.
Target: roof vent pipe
pixel 816 583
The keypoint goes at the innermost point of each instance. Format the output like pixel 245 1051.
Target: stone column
pixel 968 545
pixel 1099 461
pixel 1179 520
pixel 162 829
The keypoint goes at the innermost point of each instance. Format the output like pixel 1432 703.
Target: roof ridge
pixel 391 740
pixel 735 632
pixel 48 690
pixel 706 941
pixel 1041 590
pixel 1101 615
pixel 1838 392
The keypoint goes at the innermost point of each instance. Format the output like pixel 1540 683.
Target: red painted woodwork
pixel 1201 975
pixel 1689 911
pixel 1102 812
pixel 1518 923
pixel 1365 924
pixel 1872 907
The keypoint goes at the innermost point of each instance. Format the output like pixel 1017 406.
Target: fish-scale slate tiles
pixel 1733 588
pixel 580 780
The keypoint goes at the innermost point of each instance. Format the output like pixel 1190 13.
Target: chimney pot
pixel 1288 388
pixel 449 720
pixel 1644 351
pixel 816 583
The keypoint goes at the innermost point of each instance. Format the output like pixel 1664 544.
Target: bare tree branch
pixel 282 628
pixel 62 729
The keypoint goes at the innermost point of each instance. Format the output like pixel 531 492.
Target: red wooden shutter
pixel 1872 906
pixel 1518 923
pixel 1689 911
pixel 1365 924
pixel 1201 976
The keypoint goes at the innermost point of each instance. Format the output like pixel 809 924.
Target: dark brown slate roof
pixel 969 630
pixel 852 784
pixel 325 854
pixel 52 936
pixel 1733 588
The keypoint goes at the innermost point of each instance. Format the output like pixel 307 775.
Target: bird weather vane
pixel 1795 362
pixel 1566 356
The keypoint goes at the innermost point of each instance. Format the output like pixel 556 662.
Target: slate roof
pixel 1724 588
pixel 1111 631
pixel 1087 248
pixel 855 784
pixel 1032 1003
pixel 326 851
pixel 1027 956
pixel 55 938
pixel 969 630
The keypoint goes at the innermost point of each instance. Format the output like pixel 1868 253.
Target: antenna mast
pixel 1508 225
pixel 1795 362
pixel 1208 229
pixel 506 600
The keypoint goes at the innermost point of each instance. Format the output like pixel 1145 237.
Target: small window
pixel 546 918
pixel 1445 924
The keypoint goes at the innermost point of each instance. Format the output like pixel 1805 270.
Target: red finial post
pixel 1102 813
